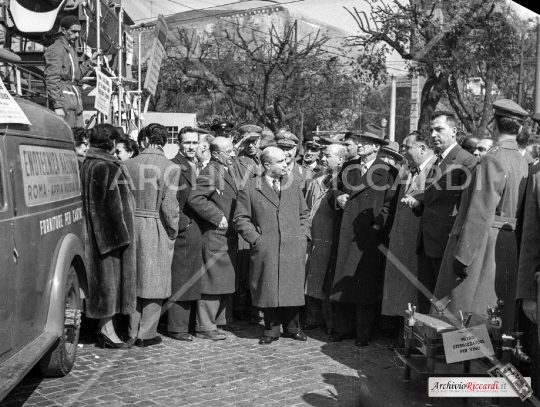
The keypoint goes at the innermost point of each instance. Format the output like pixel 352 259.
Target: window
pixel 173 134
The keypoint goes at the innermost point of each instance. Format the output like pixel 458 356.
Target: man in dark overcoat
pixel 482 250
pixel 368 200
pixel 246 166
pixel 321 248
pixel 438 209
pixel 187 266
pixel 214 200
pixel 274 219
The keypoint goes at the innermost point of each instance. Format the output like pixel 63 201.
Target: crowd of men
pixel 352 229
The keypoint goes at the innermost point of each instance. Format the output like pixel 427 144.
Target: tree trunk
pixel 432 93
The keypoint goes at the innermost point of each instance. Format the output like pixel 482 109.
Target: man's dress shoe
pixel 214 335
pixel 300 336
pixel 267 340
pixel 143 343
pixel 181 336
pixel 360 343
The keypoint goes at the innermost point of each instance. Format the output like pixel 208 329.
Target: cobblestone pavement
pixel 235 372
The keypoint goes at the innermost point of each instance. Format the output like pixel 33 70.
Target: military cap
pixel 222 126
pixel 326 141
pixel 393 150
pixel 536 117
pixel 250 131
pixel 509 108
pixel 267 134
pixel 312 140
pixel 266 142
pixel 374 133
pixel 285 138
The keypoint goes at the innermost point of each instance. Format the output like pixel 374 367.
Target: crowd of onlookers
pixel 353 228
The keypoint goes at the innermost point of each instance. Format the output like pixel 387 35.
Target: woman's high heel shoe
pixel 105 341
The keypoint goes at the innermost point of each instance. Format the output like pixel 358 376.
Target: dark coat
pixel 214 197
pixel 156 220
pixel 277 230
pixel 187 265
pixel 400 288
pixel 366 222
pixel 245 168
pixel 441 200
pixel 110 250
pixel 481 241
pixel 529 256
pixel 321 250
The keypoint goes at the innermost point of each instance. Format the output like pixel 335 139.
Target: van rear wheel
pixel 59 360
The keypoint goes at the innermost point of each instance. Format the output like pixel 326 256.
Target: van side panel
pixel 46 209
pixel 7 268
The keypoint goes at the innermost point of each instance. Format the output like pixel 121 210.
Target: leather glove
pixel 460 269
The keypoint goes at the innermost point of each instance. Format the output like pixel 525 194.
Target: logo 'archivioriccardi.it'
pixel 472 387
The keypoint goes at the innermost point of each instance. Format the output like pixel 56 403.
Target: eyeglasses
pixel 117 152
pixel 228 152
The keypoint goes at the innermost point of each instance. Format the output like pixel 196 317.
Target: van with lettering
pixel 42 270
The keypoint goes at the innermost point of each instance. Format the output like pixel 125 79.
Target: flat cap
pixel 509 108
pixel 250 131
pixel 536 117
pixel 222 126
pixel 285 138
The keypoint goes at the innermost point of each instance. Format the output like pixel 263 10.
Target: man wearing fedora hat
pixel 222 129
pixel 368 199
pixel 482 250
pixel 390 154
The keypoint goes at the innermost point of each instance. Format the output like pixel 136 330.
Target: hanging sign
pixel 104 91
pixel 156 56
pixel 10 111
pixel 129 49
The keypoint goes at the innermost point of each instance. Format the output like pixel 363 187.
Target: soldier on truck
pixel 63 73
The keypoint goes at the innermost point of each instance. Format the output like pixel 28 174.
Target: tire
pixel 60 358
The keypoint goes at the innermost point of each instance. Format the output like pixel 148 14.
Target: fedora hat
pixel 374 133
pixel 393 150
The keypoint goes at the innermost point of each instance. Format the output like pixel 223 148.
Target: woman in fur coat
pixel 109 213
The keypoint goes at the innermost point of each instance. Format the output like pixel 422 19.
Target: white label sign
pixel 467 344
pixel 104 91
pixel 49 174
pixel 129 49
pixel 10 111
pixel 154 65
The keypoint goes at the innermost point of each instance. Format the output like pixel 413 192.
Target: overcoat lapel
pixel 370 178
pixel 265 190
pixel 444 166
pixel 187 169
pixel 420 181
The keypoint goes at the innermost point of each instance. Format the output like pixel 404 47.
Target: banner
pixel 104 91
pixel 10 111
pixel 129 49
pixel 156 56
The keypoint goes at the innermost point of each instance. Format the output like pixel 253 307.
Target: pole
pixel 392 124
pixel 139 89
pixel 537 81
pixel 520 81
pixel 120 60
pixel 99 117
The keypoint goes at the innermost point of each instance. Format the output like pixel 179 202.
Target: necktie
pixel 438 160
pixel 415 171
pixel 277 189
pixel 363 169
pixel 327 181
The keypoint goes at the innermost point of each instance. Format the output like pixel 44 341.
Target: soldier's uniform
pixel 311 140
pixel 483 238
